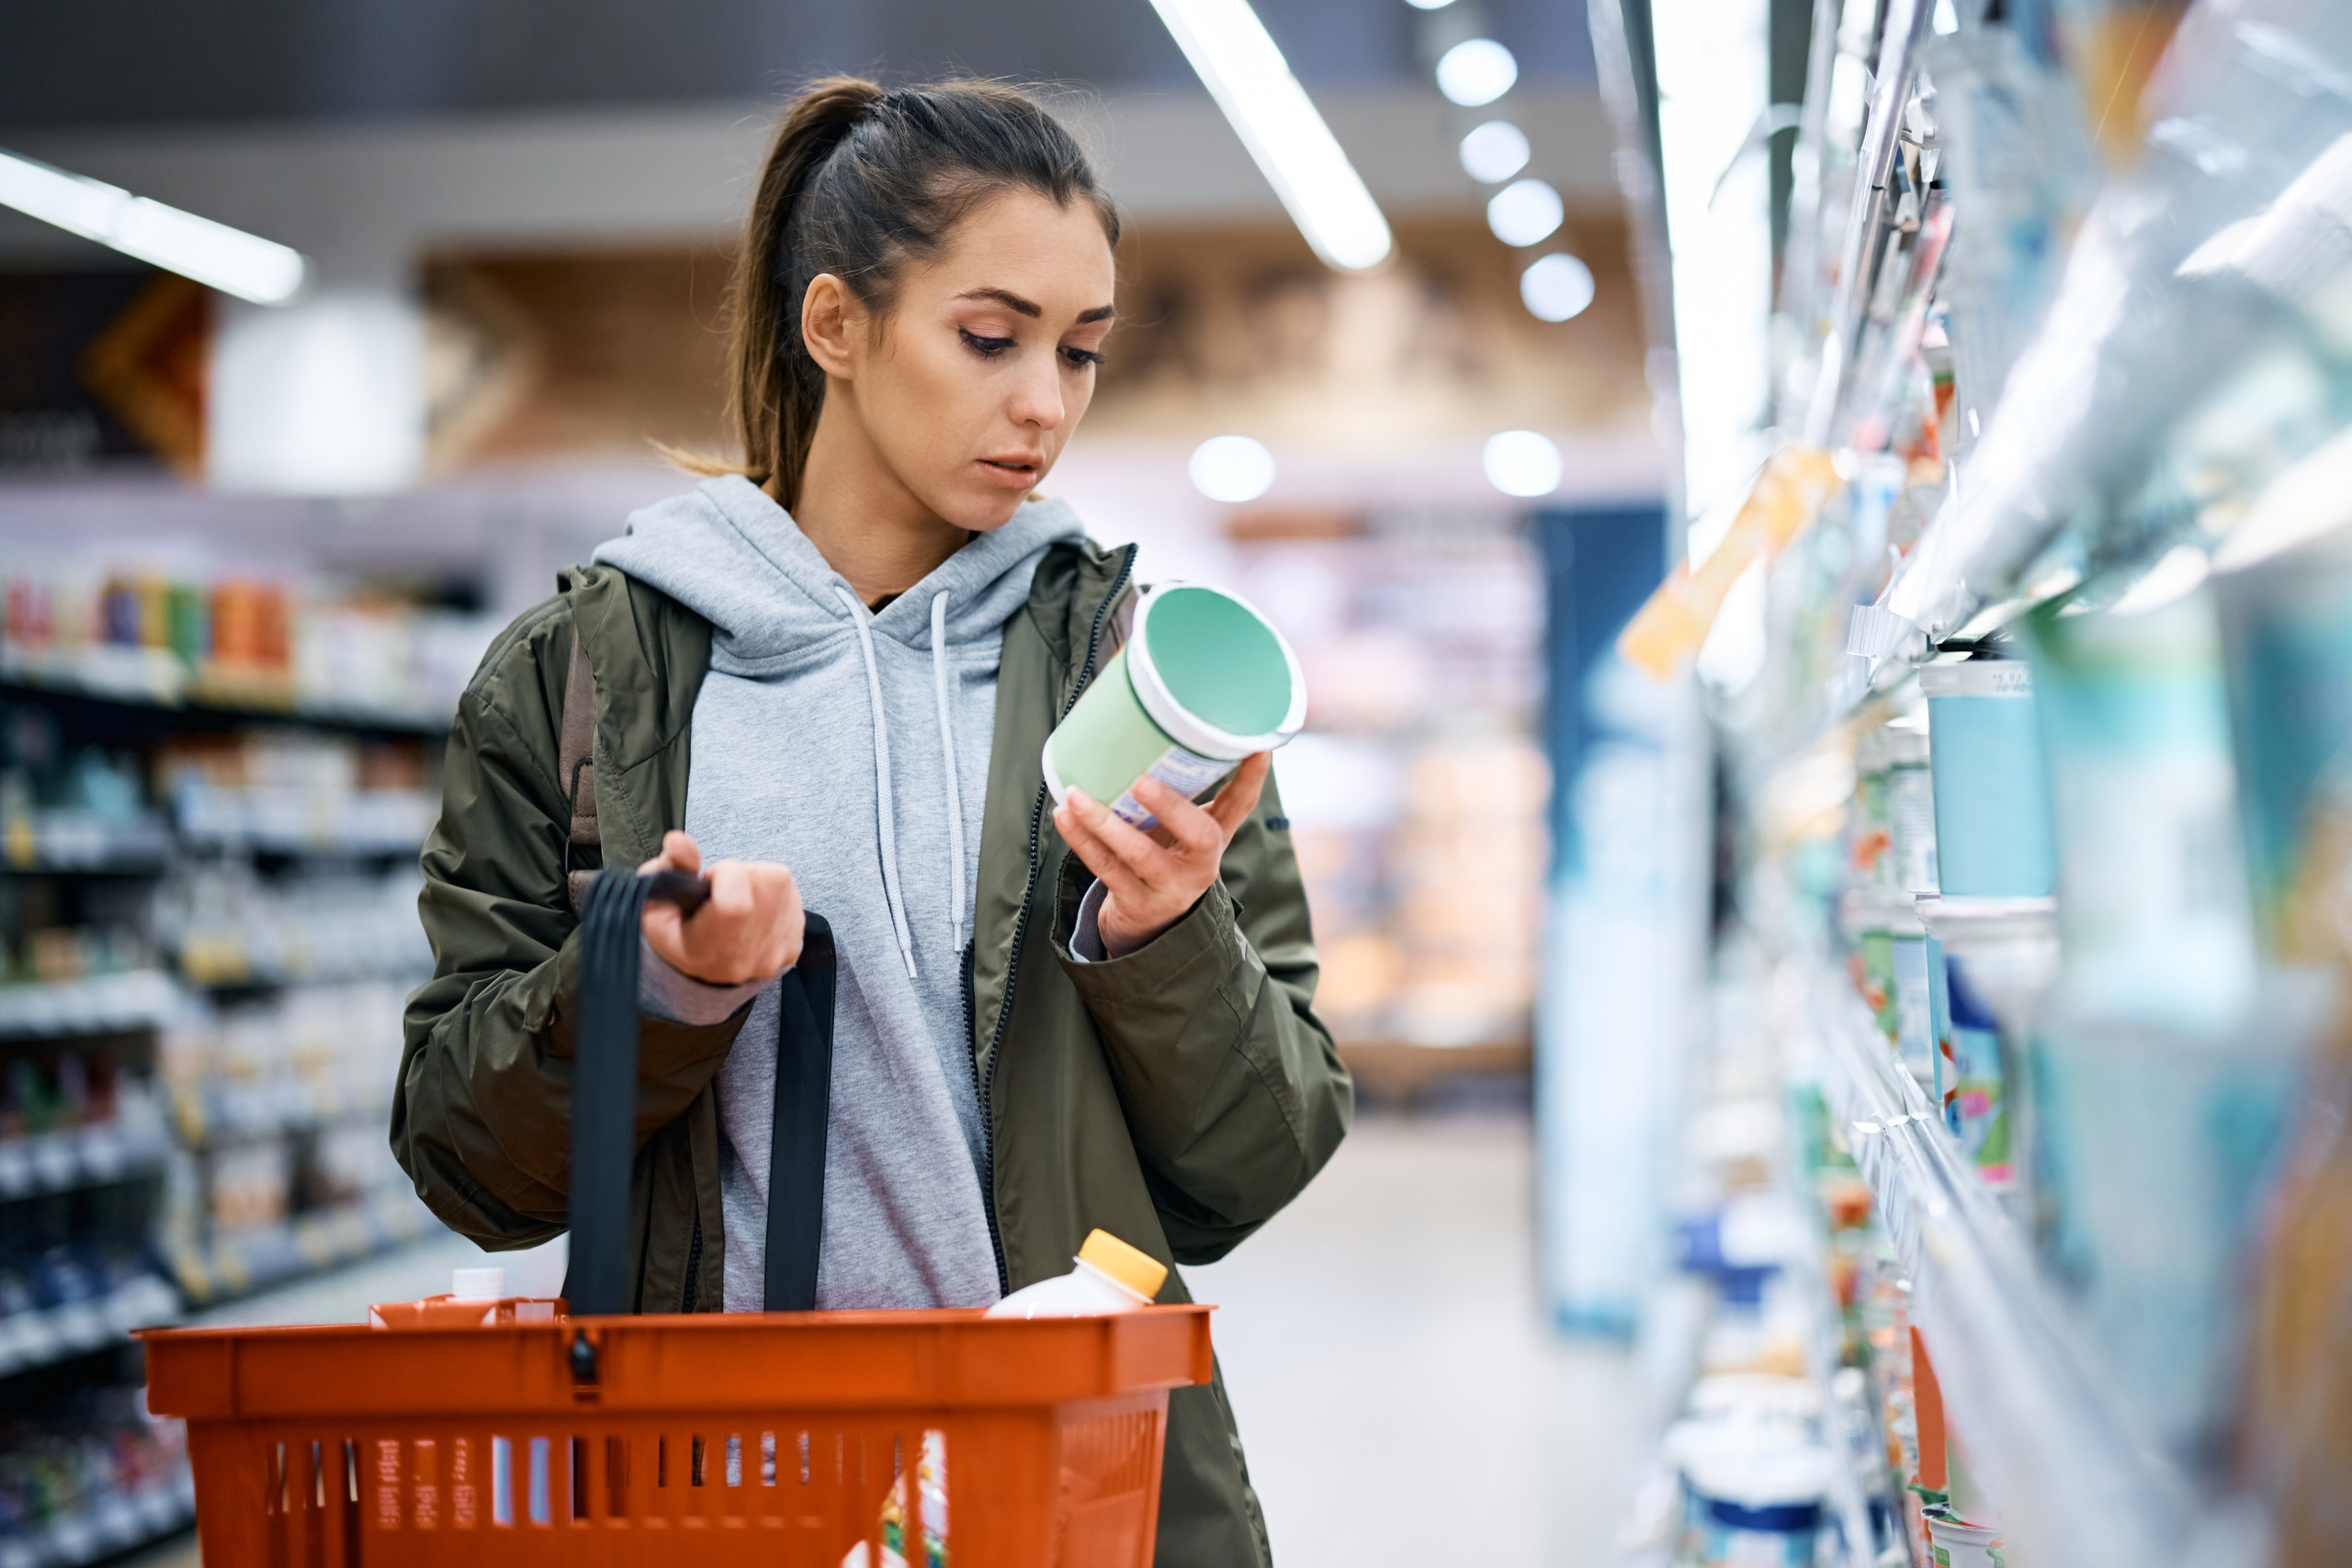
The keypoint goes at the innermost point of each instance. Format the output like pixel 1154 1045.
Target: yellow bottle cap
pixel 1138 1272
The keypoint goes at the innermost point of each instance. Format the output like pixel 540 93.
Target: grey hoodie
pixel 852 748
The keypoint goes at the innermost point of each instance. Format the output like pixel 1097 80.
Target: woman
pixel 828 676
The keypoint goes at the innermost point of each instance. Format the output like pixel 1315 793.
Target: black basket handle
pixel 604 1079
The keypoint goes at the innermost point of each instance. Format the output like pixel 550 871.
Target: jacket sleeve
pixel 1233 1091
pixel 482 1115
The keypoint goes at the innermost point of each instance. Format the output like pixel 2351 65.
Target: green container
pixel 1203 682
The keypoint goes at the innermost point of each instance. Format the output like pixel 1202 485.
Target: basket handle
pixel 604 1079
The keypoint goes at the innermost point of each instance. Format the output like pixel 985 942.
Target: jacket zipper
pixel 694 1264
pixel 1020 931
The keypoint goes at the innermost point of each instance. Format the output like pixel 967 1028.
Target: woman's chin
pixel 985 510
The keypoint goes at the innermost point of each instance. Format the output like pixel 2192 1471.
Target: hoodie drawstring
pixel 864 620
pixel 889 828
pixel 939 683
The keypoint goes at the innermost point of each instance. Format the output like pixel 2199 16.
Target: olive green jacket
pixel 1177 1097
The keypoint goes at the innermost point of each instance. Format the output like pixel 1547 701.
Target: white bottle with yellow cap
pixel 1110 1276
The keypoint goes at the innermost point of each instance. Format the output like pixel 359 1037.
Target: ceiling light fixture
pixel 1494 152
pixel 1556 287
pixel 1477 72
pixel 212 253
pixel 1524 213
pixel 1245 73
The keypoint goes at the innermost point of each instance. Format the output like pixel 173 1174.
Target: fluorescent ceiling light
pixel 1247 75
pixel 1556 287
pixel 1478 72
pixel 1232 469
pixel 213 253
pixel 1524 213
pixel 1495 151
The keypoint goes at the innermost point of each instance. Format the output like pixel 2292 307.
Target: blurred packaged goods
pixel 90 1477
pixel 207 930
pixel 290 791
pixel 225 925
pixel 232 642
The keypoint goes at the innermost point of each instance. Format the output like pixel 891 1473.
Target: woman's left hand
pixel 1151 880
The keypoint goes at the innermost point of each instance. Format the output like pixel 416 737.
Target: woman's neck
pixel 863 520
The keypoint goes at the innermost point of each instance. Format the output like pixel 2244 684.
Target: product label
pixel 1914 1035
pixel 1911 805
pixel 1186 772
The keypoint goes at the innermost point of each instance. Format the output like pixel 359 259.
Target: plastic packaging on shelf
pixel 1751 1500
pixel 1968 1086
pixel 1992 830
pixel 293 791
pixel 79 623
pixel 2135 732
pixel 1109 1276
pixel 90 1478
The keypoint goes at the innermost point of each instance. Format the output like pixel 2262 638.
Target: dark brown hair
pixel 858 182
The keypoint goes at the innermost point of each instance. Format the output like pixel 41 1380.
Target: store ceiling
pixel 105 62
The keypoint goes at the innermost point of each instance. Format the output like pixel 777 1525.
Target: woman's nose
pixel 1037 396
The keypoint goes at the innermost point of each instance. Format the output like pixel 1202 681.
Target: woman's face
pixel 987 360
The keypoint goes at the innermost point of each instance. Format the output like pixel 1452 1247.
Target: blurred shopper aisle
pixel 1401 1399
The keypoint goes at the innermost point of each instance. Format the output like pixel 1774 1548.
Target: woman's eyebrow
pixel 1006 297
pixel 1012 301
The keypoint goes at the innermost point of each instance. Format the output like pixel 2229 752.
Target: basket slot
pixel 1107 1492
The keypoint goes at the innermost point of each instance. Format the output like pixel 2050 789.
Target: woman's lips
pixel 1011 474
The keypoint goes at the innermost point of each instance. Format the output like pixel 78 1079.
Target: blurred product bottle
pixel 1110 1277
pixel 2287 629
pixel 2165 1071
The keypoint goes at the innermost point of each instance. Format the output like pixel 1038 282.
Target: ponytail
pixel 858 182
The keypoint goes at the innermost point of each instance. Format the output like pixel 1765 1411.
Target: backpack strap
pixel 576 767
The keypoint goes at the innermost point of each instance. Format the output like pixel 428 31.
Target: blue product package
pixel 1994 837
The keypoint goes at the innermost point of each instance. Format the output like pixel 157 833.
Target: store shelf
pixel 62 843
pixel 292 1109
pixel 1822 1363
pixel 40 1338
pixel 249 1262
pixel 2072 1486
pixel 109 1526
pixel 150 678
pixel 86 1157
pixel 295 822
pixel 103 1004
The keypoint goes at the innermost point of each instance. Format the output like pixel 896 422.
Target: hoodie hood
pixel 781 617
pixel 726 551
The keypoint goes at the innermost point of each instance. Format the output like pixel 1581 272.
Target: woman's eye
pixel 1080 358
pixel 986 347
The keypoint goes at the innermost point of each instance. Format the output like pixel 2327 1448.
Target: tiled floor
pixel 1401 1402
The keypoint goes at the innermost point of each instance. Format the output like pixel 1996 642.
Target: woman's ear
pixel 828 313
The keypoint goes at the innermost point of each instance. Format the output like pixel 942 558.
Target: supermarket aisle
pixel 1401 1402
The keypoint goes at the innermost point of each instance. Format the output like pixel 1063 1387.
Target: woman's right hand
pixel 750 928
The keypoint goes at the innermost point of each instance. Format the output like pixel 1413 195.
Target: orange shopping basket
pixel 521 1433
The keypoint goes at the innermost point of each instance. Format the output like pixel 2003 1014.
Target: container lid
pixel 1947 1530
pixel 1138 1272
pixel 1977 678
pixel 1769 1472
pixel 1214 672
